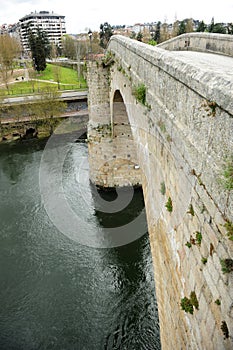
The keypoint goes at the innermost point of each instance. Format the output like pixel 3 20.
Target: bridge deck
pixel 217 64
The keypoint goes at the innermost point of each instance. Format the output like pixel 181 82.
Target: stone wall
pixel 204 42
pixel 112 153
pixel 182 133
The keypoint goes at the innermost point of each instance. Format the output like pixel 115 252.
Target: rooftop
pixel 41 14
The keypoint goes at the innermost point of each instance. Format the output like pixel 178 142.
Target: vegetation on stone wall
pixel 169 205
pixel 191 210
pixel 139 93
pixel 227 265
pixel 224 329
pixel 162 188
pixel 204 260
pixel 193 241
pixel 198 237
pixel 229 227
pixel 227 175
pixel 188 304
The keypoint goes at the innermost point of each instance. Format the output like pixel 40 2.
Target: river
pixel 62 293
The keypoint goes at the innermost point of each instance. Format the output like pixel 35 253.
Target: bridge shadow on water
pixel 136 324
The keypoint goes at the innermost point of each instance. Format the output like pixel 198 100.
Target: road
pixel 82 113
pixel 66 95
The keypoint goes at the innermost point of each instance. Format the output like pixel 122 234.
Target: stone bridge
pixel 162 117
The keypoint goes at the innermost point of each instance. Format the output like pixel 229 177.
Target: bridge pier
pixel 112 151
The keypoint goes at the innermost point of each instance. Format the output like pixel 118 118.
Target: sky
pixel 80 16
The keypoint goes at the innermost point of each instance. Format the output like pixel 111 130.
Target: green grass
pixel 68 81
pixel 67 75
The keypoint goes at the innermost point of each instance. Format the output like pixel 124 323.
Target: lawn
pixel 66 75
pixel 68 79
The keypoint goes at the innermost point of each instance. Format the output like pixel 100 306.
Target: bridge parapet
pixel 204 42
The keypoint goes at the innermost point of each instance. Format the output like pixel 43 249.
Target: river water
pixel 55 291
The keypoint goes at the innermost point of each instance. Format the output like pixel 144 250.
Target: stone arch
pixel 120 122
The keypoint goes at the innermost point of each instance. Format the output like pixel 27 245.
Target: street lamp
pixel 90 37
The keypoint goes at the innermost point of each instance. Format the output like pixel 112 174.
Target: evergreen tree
pixel 201 27
pixel 139 36
pixel 182 28
pixel 211 26
pixel 40 49
pixel 157 32
pixel 106 31
pixel 230 28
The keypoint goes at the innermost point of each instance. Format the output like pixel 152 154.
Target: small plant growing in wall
pixel 224 329
pixel 169 205
pixel 108 58
pixel 227 265
pixel 210 107
pixel 204 260
pixel 218 302
pixel 198 237
pixel 162 188
pixel 139 93
pixel 227 175
pixel 188 304
pixel 193 299
pixel 229 227
pixel 191 210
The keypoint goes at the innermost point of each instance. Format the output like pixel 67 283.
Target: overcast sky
pixel 82 15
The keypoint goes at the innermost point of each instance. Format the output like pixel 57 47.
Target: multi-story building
pixel 48 22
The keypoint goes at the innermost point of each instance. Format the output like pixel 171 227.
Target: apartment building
pixel 49 22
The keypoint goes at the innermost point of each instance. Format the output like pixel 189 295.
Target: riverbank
pixel 27 128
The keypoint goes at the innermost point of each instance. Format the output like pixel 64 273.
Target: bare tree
pixel 164 34
pixel 9 50
pixel 189 25
pixel 57 74
pixel 175 28
pixel 50 106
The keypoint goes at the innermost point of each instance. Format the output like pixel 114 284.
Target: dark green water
pixel 56 293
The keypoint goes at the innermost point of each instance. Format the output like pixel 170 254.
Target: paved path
pixel 65 95
pixel 219 64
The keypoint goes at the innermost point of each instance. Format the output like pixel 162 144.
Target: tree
pixel 211 26
pixel 182 28
pixel 230 28
pixel 201 27
pixel 106 31
pixel 175 28
pixel 40 49
pixel 57 74
pixel 189 26
pixel 157 32
pixel 218 28
pixel 139 36
pixel 69 47
pixel 50 106
pixel 164 35
pixel 9 50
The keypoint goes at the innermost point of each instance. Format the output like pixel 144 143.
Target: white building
pixel 49 22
